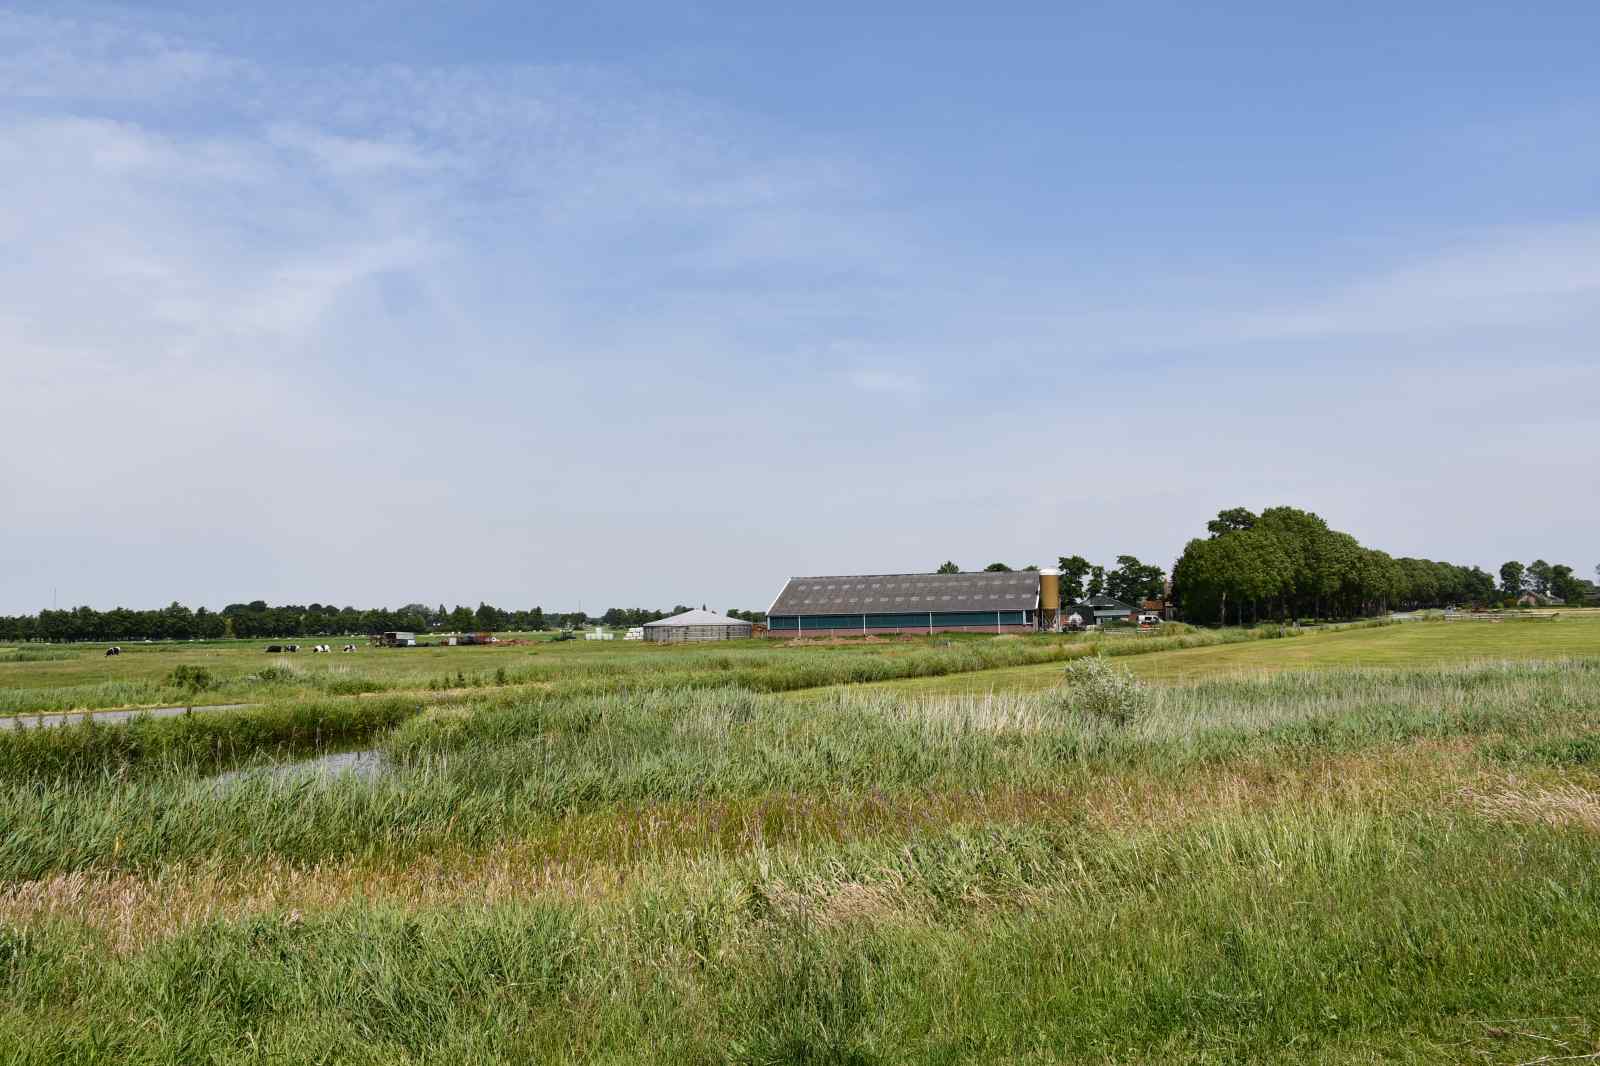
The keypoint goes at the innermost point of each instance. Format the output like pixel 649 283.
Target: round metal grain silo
pixel 1049 599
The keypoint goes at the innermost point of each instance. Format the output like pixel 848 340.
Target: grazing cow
pixel 349 647
pixel 274 649
pixel 113 651
pixel 291 647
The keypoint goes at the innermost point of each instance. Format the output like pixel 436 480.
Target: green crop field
pixel 1352 845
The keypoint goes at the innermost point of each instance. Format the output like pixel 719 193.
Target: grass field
pixel 1375 844
pixel 40 679
pixel 1405 645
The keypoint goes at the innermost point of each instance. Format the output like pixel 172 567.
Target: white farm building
pixel 698 624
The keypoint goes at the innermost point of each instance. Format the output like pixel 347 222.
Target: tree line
pixel 258 619
pixel 631 617
pixel 1557 580
pixel 1130 581
pixel 1288 563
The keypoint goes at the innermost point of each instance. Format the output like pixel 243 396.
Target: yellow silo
pixel 1049 599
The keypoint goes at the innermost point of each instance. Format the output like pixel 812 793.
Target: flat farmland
pixel 1358 845
pixel 1403 645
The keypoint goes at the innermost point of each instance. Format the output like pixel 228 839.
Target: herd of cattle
pixel 279 649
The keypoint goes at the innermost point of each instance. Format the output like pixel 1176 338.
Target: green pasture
pixel 63 678
pixel 1403 645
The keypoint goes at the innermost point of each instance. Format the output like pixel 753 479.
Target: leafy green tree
pixel 1133 581
pixel 1539 576
pixel 948 567
pixel 997 568
pixel 1233 520
pixel 1074 568
pixel 1097 581
pixel 1511 578
pixel 1566 584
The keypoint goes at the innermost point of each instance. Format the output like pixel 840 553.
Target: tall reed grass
pixel 1307 935
pixel 471 774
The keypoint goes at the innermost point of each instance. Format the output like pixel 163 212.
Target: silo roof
pixel 985 590
pixel 698 617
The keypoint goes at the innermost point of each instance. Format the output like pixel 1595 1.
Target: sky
pixel 627 304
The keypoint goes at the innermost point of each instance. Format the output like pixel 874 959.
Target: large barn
pixel 985 602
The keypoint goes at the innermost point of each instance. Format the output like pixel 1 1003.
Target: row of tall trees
pixel 1130 581
pixel 1287 563
pixel 1546 579
pixel 258 619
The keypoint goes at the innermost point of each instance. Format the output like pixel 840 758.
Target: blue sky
pixel 636 305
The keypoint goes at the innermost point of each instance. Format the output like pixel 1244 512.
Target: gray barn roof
pixel 697 617
pixel 909 593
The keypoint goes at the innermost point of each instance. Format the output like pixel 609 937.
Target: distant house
pixel 1098 610
pixel 1160 608
pixel 1539 599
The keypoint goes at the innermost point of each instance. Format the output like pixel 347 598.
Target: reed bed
pixel 1350 865
pixel 471 774
pixel 1305 935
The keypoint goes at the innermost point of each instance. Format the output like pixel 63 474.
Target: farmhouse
pixel 1098 610
pixel 695 625
pixel 985 602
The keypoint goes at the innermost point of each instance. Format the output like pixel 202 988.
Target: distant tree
pixel 1539 576
pixel 1566 585
pixel 1074 568
pixel 1479 585
pixel 1133 581
pixel 1097 581
pixel 948 567
pixel 461 619
pixel 997 568
pixel 1511 578
pixel 1233 520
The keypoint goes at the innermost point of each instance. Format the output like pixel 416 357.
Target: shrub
pixel 1102 691
pixel 192 678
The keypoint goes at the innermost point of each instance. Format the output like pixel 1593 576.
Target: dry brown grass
pixel 1563 804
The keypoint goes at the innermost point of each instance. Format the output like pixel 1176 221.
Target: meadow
pixel 1369 844
pixel 39 679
